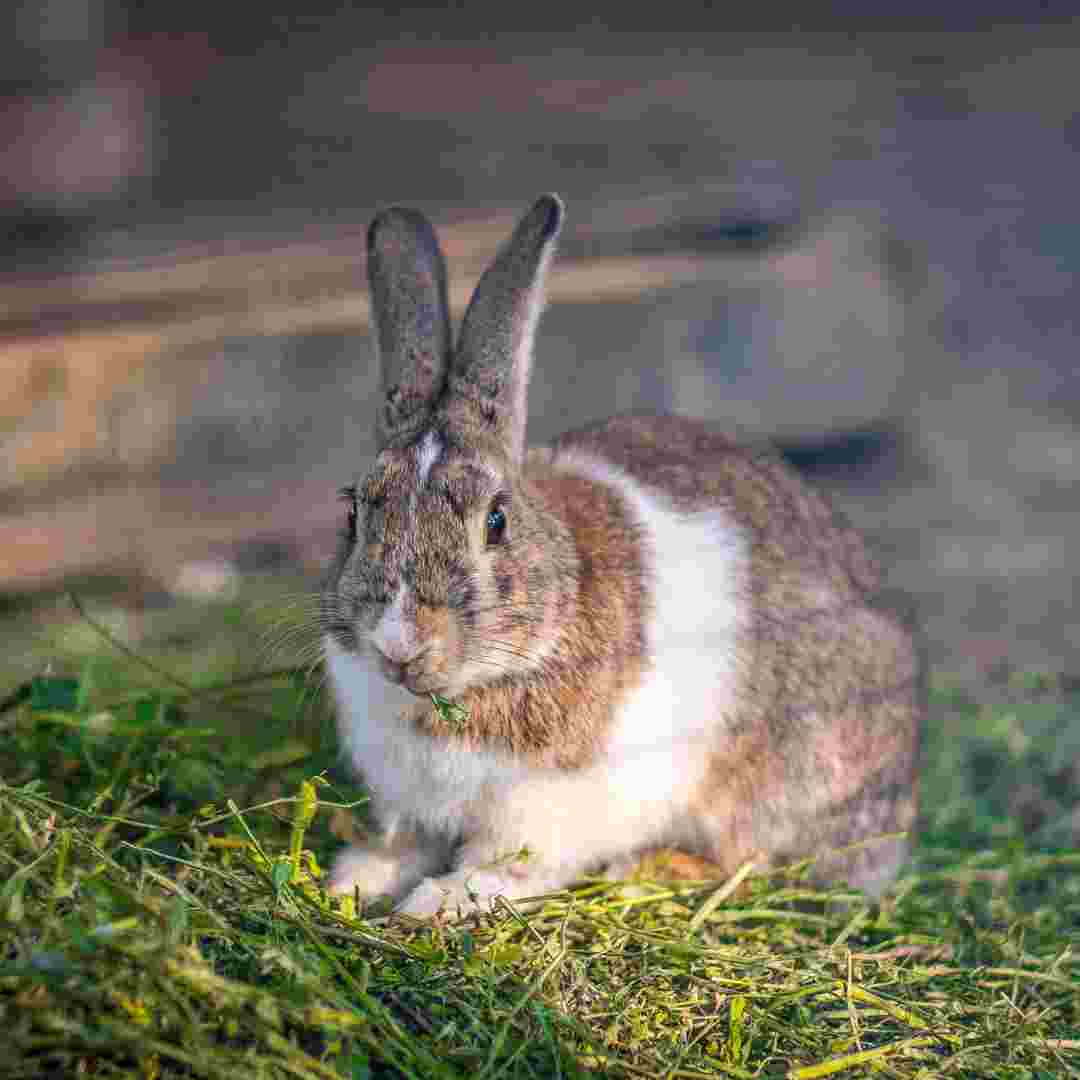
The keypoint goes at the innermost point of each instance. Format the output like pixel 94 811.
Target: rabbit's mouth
pixel 423 685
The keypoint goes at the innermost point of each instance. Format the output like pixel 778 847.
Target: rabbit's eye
pixel 350 497
pixel 496 526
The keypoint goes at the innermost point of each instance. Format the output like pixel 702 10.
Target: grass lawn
pixel 163 819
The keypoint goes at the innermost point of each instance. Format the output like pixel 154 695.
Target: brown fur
pixel 597 626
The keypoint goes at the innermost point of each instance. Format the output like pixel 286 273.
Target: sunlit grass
pixel 162 830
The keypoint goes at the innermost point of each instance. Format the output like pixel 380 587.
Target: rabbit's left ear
pixel 489 374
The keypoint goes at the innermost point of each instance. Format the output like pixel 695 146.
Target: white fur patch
pixel 411 776
pixel 429 451
pixel 663 735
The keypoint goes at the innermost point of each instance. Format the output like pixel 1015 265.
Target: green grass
pixel 162 829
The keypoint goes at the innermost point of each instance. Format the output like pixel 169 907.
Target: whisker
pixel 487 657
pixel 508 608
pixel 507 653
pixel 503 657
pixel 511 647
pixel 295 646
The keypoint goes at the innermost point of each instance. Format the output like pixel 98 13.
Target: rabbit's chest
pixel 438 785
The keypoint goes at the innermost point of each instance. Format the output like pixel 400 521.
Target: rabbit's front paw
pixel 429 898
pixel 455 893
pixel 467 890
pixel 374 871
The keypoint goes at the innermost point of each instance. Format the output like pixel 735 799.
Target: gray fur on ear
pixel 493 360
pixel 407 278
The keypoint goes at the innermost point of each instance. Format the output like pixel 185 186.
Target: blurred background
pixel 854 233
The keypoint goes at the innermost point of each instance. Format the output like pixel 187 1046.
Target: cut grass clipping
pixel 161 915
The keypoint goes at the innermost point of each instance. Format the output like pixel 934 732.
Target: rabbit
pixel 652 636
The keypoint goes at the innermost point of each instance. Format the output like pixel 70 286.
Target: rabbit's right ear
pixel 407 278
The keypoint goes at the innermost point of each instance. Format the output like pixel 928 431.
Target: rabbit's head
pixel 450 572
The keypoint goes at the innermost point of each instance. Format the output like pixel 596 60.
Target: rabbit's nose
pixel 412 674
pixel 397 664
